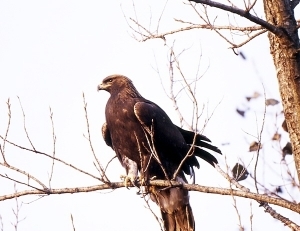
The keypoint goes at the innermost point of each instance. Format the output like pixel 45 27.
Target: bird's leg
pixel 144 175
pixel 132 172
pixel 129 178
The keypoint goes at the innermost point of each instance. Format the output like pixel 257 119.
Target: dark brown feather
pixel 200 140
pixel 175 208
pixel 142 134
pixel 106 135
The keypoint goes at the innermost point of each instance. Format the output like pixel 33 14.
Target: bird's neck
pixel 126 93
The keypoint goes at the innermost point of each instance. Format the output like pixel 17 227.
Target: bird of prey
pixel 147 143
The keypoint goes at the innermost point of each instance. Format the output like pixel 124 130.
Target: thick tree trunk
pixel 286 56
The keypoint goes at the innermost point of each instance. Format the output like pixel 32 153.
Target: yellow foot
pixel 127 180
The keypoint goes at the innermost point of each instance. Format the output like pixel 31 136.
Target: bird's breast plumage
pixel 126 132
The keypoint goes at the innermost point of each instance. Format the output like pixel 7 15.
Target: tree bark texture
pixel 286 56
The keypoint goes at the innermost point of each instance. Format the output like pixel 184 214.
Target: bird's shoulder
pixel 146 111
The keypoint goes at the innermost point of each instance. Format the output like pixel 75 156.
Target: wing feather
pixel 200 140
pixel 106 135
pixel 169 142
pixel 205 155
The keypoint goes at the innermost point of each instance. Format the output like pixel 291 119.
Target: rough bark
pixel 285 52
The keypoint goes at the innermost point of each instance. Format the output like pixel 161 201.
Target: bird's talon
pixel 127 180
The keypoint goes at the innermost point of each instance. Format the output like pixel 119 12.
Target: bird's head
pixel 115 84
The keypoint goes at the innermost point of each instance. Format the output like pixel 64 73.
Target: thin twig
pixel 109 163
pixel 1 223
pixel 231 28
pixel 241 228
pixel 72 220
pixel 259 140
pixel 24 125
pixel 103 175
pixel 16 212
pixel 29 176
pixel 250 7
pixel 23 183
pixel 172 96
pixel 54 145
pixel 2 148
pixel 51 157
pixel 159 221
pixel 251 216
pixel 152 147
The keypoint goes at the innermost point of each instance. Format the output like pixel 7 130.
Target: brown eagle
pixel 146 141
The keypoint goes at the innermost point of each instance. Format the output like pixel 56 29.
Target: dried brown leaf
pixel 284 126
pixel 240 112
pixel 271 102
pixel 287 150
pixel 276 136
pixel 254 96
pixel 242 55
pixel 239 172
pixel 278 189
pixel 254 146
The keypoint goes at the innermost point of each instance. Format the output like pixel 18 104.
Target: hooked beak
pixel 100 87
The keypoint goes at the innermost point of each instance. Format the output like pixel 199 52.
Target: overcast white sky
pixel 53 51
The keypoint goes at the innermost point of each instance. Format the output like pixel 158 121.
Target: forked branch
pixel 243 13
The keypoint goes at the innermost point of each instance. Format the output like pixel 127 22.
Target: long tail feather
pixel 181 220
pixel 189 136
pixel 205 156
pixel 175 208
pixel 209 146
pixel 200 140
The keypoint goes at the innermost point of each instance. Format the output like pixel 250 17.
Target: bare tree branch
pixel 244 13
pixel 163 183
pixel 208 26
pixel 23 183
pixel 247 30
pixel 52 157
pixel 24 173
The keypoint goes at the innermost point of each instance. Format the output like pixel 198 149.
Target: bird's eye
pixel 110 80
